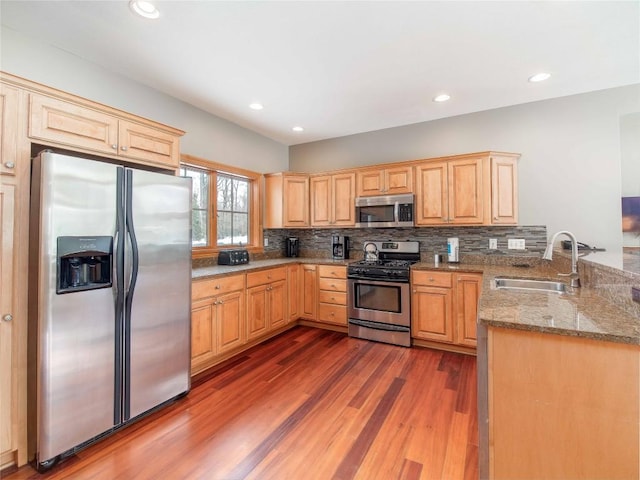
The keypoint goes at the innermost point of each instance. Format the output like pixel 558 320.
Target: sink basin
pixel 534 285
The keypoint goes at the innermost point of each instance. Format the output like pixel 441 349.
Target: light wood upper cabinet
pixel 9 111
pixel 333 200
pixel 385 181
pixel 68 124
pixel 286 200
pixel 467 190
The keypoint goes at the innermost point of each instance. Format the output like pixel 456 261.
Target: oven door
pixel 379 301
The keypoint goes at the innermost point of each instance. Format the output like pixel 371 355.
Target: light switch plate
pixel 516 244
pixel 266 242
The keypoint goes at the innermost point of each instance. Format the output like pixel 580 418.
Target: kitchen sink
pixel 533 285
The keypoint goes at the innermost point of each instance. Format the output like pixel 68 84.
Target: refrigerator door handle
pixel 131 232
pixel 119 245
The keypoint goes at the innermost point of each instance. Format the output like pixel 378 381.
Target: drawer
pixel 432 279
pixel 332 284
pixel 216 286
pixel 266 276
pixel 337 298
pixel 332 271
pixel 332 313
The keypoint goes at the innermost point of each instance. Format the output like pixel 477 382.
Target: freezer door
pixel 76 330
pixel 159 345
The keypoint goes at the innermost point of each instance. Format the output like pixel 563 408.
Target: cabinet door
pixel 432 202
pixel 8 366
pixel 321 201
pixel 257 308
pixel 370 182
pixel 141 142
pixel 293 286
pixel 296 201
pixel 344 199
pixel 203 333
pixel 432 313
pixel 398 180
pixel 9 99
pixel 504 191
pixel 230 313
pixel 277 302
pixel 309 292
pixel 73 125
pixel 468 287
pixel 465 191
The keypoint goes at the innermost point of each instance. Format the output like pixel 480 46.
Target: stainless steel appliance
pixel 379 294
pixel 109 299
pixel 339 247
pixel 291 247
pixel 385 211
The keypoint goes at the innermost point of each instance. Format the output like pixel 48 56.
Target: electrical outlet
pixel 516 244
pixel 493 244
pixel 266 242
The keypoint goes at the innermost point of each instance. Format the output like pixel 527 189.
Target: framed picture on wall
pixel 631 214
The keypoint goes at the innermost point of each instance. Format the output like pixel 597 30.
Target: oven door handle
pixel 379 326
pixel 374 281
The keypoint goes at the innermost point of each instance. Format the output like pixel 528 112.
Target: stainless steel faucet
pixel 548 255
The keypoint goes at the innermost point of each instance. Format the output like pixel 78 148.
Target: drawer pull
pixel 123 148
pixel 9 164
pixel 217 287
pixel 8 317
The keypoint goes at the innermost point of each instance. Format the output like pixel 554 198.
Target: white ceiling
pixel 338 68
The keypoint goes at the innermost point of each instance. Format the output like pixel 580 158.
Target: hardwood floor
pixel 309 404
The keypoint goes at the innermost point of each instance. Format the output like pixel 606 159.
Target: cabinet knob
pixel 114 146
pixel 495 218
pixel 333 314
pixel 7 318
pixel 10 165
pixel 415 291
pixel 123 148
pixel 431 279
pixel 217 287
pixel 220 302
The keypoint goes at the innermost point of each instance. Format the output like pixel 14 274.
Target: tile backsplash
pixel 316 243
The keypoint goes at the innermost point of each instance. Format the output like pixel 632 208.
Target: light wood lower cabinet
pixel 294 275
pixel 217 319
pixel 444 306
pixel 332 294
pixel 562 407
pixel 266 301
pixel 309 292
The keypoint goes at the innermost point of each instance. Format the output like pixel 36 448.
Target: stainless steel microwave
pixel 384 211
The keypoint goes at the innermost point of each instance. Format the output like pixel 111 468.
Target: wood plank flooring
pixel 308 404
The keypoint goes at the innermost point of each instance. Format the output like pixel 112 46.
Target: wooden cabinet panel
pixel 266 302
pixel 332 284
pixel 370 182
pixel 9 122
pixel 430 278
pixel 140 142
pixel 332 294
pixel 286 200
pixel 389 181
pixel 338 298
pixel 562 407
pixel 309 289
pixel 231 321
pixel 321 201
pixel 468 289
pixel 332 200
pixel 216 286
pixel 257 307
pixel 266 276
pixel 277 305
pixel 399 180
pixel 330 313
pixel 432 313
pixel 504 191
pixel 203 332
pixel 432 202
pixel 466 194
pixel 332 271
pixel 293 285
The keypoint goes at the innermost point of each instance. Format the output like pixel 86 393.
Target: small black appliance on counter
pixel 340 247
pixel 233 257
pixel 291 247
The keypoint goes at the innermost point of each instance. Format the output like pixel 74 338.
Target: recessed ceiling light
pixel 442 98
pixel 144 9
pixel 298 129
pixel 256 106
pixel 539 77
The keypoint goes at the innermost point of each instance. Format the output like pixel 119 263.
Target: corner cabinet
pixel 333 200
pixel 91 129
pixel 286 200
pixel 444 308
pixel 478 189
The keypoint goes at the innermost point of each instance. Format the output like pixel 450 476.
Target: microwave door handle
pixel 396 212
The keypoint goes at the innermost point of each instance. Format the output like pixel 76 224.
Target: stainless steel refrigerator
pixel 109 299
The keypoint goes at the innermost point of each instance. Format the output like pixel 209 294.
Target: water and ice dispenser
pixel 84 263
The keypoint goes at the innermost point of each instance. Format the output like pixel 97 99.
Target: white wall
pixel 569 171
pixel 207 136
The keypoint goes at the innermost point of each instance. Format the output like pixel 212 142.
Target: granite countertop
pixel 581 312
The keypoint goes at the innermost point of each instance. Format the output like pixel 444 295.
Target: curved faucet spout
pixel 548 255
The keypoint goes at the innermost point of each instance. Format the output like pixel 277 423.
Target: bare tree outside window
pixel 233 210
pixel 199 205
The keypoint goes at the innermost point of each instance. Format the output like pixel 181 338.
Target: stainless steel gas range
pixel 379 295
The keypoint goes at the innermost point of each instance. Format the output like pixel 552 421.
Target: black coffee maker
pixel 291 247
pixel 339 247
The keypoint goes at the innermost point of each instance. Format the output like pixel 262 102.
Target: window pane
pixel 200 228
pixel 225 192
pixel 240 228
pixel 241 197
pixel 200 187
pixel 225 236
